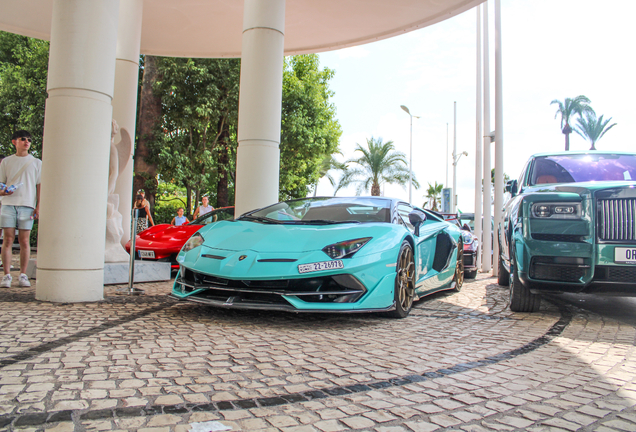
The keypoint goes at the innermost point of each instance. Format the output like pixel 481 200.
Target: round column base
pixel 70 286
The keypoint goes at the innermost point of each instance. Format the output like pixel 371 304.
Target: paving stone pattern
pixel 460 361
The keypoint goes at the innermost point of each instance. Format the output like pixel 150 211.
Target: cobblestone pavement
pixel 460 362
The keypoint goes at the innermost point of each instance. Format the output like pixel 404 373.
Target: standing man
pixel 20 205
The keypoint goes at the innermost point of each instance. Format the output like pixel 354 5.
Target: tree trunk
pixel 222 194
pixel 375 189
pixel 149 119
pixel 567 130
pixel 188 200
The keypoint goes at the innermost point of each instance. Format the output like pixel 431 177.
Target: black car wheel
pixel 503 277
pixel 472 274
pixel 521 299
pixel 404 282
pixel 458 279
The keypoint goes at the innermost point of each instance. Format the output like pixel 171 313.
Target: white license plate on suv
pixel 625 255
pixel 146 254
pixel 318 266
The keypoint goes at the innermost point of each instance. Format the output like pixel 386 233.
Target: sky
pixel 552 49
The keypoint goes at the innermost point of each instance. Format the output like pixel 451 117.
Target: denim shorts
pixel 20 217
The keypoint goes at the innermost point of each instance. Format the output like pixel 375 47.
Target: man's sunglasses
pixel 25 139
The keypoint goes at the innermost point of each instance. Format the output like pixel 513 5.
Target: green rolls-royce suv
pixel 569 226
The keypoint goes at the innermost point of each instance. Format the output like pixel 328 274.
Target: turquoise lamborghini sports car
pixel 360 254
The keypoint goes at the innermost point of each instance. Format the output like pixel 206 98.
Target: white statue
pixel 119 158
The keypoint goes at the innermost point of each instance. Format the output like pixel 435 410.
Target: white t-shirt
pixel 205 210
pixel 26 194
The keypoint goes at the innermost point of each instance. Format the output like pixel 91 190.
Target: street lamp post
pixel 455 160
pixel 410 150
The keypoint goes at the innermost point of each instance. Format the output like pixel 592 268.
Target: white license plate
pixel 625 255
pixel 318 266
pixel 146 254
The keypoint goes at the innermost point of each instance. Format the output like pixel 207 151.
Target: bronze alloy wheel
pixel 404 282
pixel 459 266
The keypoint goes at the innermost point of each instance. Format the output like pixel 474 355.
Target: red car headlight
pixel 195 241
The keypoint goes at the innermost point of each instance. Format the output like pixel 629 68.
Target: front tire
pixel 404 290
pixel 521 299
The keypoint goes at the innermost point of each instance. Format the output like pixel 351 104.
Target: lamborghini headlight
pixel 195 241
pixel 345 249
pixel 556 210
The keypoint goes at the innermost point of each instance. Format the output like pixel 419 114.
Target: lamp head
pixel 405 109
pixel 465 153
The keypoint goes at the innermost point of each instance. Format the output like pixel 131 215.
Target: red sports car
pixel 163 242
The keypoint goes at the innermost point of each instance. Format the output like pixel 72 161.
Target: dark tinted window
pixel 582 168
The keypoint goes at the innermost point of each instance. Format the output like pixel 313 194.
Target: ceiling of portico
pixel 213 28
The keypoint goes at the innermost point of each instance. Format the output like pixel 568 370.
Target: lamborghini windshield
pixel 583 168
pixel 318 211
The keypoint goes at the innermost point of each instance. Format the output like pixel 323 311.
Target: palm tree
pixel 328 164
pixel 379 163
pixel 568 108
pixel 434 194
pixel 592 128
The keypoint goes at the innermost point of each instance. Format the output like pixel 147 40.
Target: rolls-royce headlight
pixel 195 241
pixel 345 249
pixel 556 210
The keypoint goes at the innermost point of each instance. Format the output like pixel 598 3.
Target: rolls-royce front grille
pixel 616 220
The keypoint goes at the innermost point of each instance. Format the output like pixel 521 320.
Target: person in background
pixel 204 208
pixel 180 219
pixel 144 213
pixel 20 174
pixel 143 196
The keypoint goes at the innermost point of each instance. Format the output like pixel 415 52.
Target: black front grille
pixel 615 274
pixel 563 238
pixel 326 289
pixel 616 219
pixel 557 269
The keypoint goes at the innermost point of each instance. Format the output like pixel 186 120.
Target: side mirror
pixel 511 187
pixel 417 218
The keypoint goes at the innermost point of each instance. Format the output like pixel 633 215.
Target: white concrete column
pixel 260 102
pixel 76 150
pixel 125 97
pixel 486 264
pixel 478 141
pixel 499 166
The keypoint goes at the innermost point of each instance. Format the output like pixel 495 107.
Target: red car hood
pixel 164 236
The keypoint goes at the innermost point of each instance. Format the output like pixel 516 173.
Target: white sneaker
pixel 23 280
pixel 6 281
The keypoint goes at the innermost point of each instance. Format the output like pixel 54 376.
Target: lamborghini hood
pixel 282 238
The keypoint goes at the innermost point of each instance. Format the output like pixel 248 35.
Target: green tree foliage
pixel 492 177
pixel 380 163
pixel 23 74
pixel 197 148
pixel 434 196
pixel 568 109
pixel 329 164
pixel 592 128
pixel 309 129
pixel 199 115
